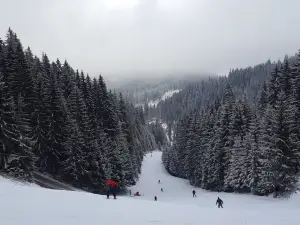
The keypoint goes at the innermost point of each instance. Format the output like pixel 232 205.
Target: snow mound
pixel 166 95
pixel 30 205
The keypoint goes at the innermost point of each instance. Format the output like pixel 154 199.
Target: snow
pixel 166 95
pixel 165 127
pixel 153 103
pixel 31 205
pixel 169 94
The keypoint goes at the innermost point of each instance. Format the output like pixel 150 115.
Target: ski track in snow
pixel 31 205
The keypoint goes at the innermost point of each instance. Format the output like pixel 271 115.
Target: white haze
pixel 155 37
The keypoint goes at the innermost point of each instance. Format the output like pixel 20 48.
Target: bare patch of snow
pixel 168 94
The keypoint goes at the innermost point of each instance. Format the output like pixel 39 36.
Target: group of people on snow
pixel 111 189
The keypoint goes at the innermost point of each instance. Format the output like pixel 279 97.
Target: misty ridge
pixel 143 38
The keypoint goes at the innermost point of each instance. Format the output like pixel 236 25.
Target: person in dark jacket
pixel 155 198
pixel 162 190
pixel 194 193
pixel 219 203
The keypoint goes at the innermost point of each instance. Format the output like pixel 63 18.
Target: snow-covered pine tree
pixel 263 99
pixel 265 184
pixel 207 141
pixel 191 149
pixel 16 155
pixel 295 95
pixel 273 86
pixel 74 167
pixel 256 153
pixel 50 120
pixel 224 140
pixel 67 79
pixel 181 141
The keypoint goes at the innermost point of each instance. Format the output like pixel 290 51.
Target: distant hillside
pixel 143 90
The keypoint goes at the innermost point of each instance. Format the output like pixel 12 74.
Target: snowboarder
pixel 162 190
pixel 155 198
pixel 129 192
pixel 159 181
pixel 137 194
pixel 110 188
pixel 194 193
pixel 219 202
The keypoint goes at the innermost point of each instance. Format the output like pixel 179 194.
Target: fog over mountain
pixel 155 37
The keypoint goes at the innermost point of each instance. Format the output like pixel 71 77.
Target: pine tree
pixel 224 140
pixel 15 149
pixel 273 87
pixel 263 100
pixel 254 137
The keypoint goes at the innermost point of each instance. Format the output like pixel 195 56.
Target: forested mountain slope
pixel 198 95
pixel 144 90
pixel 248 139
pixel 58 120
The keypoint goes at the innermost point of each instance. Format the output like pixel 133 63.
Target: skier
pixel 155 198
pixel 194 193
pixel 159 181
pixel 110 188
pixel 162 190
pixel 219 202
pixel 129 192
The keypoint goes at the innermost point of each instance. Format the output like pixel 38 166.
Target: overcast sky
pixel 124 37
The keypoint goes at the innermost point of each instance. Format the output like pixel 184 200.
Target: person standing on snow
pixel 155 198
pixel 159 181
pixel 162 190
pixel 110 188
pixel 194 193
pixel 219 202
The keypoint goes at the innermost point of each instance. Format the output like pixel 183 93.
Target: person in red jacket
pixel 110 187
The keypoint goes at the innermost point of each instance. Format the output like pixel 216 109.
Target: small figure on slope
pixel 162 190
pixel 219 202
pixel 110 188
pixel 194 193
pixel 159 181
pixel 137 194
pixel 155 198
pixel 129 192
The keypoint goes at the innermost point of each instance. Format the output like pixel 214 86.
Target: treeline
pixel 160 134
pixel 198 94
pixel 59 121
pixel 239 145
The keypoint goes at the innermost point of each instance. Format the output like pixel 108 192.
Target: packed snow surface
pixel 31 205
pixel 165 96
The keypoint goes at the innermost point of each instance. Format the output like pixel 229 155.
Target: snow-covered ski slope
pixel 32 205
